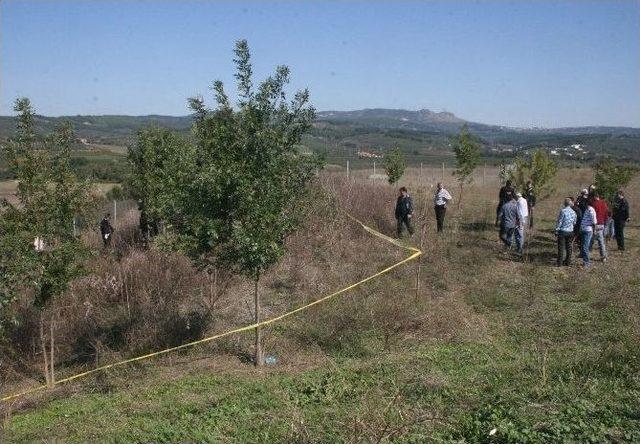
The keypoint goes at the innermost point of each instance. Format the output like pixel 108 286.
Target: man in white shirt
pixel 440 200
pixel 523 214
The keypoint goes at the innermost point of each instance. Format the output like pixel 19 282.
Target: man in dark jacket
pixel 404 212
pixel 530 195
pixel 106 230
pixel 620 217
pixel 576 228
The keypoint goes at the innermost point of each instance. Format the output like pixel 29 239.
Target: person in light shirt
pixel 523 212
pixel 564 231
pixel 587 227
pixel 440 200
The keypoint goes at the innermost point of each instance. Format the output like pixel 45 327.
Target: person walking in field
pixel 404 212
pixel 523 211
pixel 576 228
pixel 505 195
pixel 106 230
pixel 440 201
pixel 587 228
pixel 620 217
pixel 530 195
pixel 509 219
pixel 601 209
pixel 565 227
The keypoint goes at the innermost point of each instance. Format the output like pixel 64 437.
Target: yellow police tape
pixel 415 253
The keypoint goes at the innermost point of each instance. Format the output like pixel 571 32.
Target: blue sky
pixel 513 63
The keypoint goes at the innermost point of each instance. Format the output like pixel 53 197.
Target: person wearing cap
pixel 523 211
pixel 620 217
pixel 440 200
pixel 404 212
pixel 564 231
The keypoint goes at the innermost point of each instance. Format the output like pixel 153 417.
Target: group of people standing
pixel 515 212
pixel 587 219
pixel 404 209
pixel 584 220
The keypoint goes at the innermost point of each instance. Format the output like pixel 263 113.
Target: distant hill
pixel 421 134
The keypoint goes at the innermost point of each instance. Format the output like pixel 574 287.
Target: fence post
pixel 420 170
pixel 442 171
pixel 484 173
pixel 347 168
pixel 374 168
pixel 115 212
pixel 74 227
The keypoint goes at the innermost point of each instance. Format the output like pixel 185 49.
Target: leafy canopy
pixel 467 151
pixel 49 197
pixel 394 165
pixel 610 177
pixel 233 198
pixel 540 168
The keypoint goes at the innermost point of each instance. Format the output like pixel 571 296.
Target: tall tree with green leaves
pixel 467 151
pixel 39 254
pixel 394 165
pixel 161 164
pixel 611 177
pixel 247 175
pixel 540 168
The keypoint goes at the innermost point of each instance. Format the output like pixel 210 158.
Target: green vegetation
pixel 537 353
pixel 394 165
pixel 467 152
pixel 39 252
pixel 611 177
pixel 540 169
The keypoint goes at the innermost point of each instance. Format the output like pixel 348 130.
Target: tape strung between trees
pixel 415 253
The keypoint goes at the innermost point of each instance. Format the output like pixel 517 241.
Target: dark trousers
pixel 618 226
pixel 530 217
pixel 565 248
pixel 404 220
pixel 441 210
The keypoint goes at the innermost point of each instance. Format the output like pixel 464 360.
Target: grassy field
pixel 473 344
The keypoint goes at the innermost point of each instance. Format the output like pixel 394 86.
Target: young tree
pixel 247 177
pixel 38 250
pixel 394 165
pixel 161 164
pixel 611 177
pixel 467 152
pixel 540 168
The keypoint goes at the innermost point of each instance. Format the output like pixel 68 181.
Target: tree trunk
pixel 43 345
pixel 52 345
pixel 256 300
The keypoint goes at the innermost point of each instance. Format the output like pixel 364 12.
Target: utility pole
pixel 347 168
pixel 442 171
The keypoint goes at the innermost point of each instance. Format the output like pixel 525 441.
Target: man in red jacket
pixel 602 211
